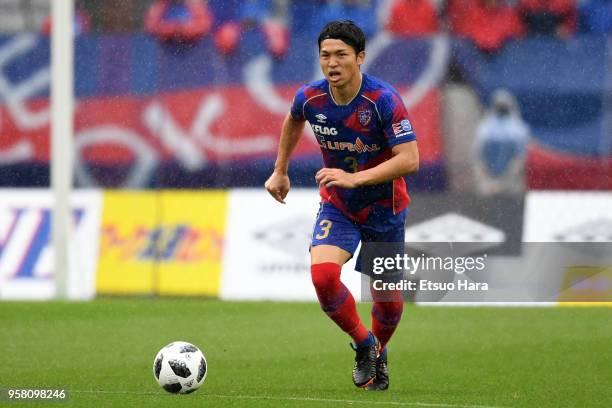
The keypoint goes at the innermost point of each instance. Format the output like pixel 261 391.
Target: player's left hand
pixel 336 178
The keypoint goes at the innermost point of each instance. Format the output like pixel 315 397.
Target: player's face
pixel 339 63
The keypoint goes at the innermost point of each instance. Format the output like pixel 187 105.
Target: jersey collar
pixel 331 95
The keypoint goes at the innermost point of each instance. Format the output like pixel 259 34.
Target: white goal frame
pixel 62 134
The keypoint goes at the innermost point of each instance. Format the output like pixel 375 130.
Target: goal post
pixel 62 131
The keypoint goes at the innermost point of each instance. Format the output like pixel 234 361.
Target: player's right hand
pixel 278 186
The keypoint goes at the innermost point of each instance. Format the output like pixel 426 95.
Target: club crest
pixel 364 116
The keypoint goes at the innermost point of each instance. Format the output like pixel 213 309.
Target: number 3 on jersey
pixel 352 163
pixel 325 227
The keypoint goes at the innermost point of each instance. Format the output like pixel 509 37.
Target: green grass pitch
pixel 290 354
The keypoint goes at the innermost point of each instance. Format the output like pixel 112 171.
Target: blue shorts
pixel 332 227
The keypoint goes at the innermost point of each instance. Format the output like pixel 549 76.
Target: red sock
pixel 386 316
pixel 336 300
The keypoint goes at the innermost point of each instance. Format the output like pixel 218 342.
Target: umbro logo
pixel 596 230
pixel 453 228
pixel 290 235
pixel 321 118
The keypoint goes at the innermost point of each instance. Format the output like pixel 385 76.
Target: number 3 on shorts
pixel 325 227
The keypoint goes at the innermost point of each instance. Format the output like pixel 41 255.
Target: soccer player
pixel 368 145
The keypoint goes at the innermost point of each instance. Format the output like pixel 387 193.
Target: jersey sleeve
pixel 297 106
pixel 394 116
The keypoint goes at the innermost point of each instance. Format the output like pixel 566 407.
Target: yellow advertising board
pixel 587 286
pixel 167 243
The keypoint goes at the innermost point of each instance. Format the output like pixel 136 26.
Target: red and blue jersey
pixel 358 136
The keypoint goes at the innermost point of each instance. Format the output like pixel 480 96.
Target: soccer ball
pixel 180 367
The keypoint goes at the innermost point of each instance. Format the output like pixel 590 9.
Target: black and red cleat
pixel 364 370
pixel 381 380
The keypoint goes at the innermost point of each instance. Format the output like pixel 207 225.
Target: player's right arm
pixel 278 183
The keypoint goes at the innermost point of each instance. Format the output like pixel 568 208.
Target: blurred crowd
pixel 489 24
pixel 500 138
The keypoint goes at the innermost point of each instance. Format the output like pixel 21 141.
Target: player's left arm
pixel 405 160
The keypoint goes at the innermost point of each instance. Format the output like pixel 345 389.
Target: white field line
pixel 305 399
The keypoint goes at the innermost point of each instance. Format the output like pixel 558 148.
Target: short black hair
pixel 345 30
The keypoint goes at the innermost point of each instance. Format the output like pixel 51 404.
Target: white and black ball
pixel 180 367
